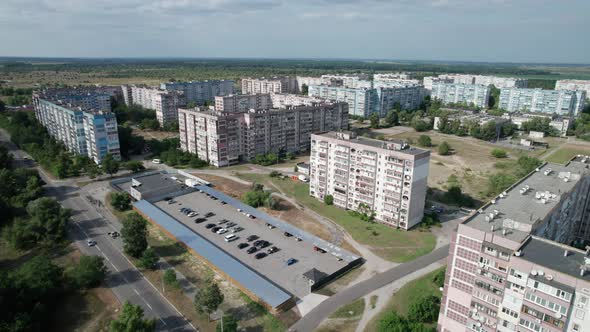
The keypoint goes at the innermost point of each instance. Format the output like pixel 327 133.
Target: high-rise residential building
pixel 200 92
pixel 352 81
pixel 164 102
pixel 561 102
pixel 574 85
pixel 498 82
pixel 510 267
pixel 475 94
pixel 83 131
pixel 361 102
pixel 229 135
pixel 394 83
pixel 386 177
pixel 393 76
pixel 428 81
pixel 408 97
pixel 241 103
pixel 269 85
pixel 86 97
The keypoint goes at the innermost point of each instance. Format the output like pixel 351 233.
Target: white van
pixel 156 161
pixel 231 237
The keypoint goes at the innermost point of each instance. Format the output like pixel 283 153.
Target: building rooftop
pixel 159 182
pixel 396 145
pixel 516 212
pixel 550 254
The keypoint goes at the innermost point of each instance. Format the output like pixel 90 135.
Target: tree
pixel 110 164
pixel 499 153
pixel 439 278
pixel 374 119
pixel 191 104
pixel 527 164
pixel 120 201
pixel 208 298
pixel 131 320
pixel 134 233
pixel 5 158
pixel 89 272
pixel 47 223
pixel 424 141
pixel 424 309
pixel 304 89
pixel 420 125
pixel 274 174
pixel 170 278
pixel 391 119
pixel 392 322
pixel 499 182
pixel 444 149
pixel 230 324
pixel 134 166
pixel 257 196
pixel 329 199
pixel 149 259
pixel 2 106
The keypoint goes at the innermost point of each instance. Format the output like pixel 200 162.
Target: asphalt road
pixel 311 321
pixel 126 282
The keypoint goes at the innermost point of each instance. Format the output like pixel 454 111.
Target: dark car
pixel 230 224
pixel 318 249
pixel 215 229
pixel 260 255
pixel 238 229
pixel 223 221
pixel 209 214
pixel 291 261
pixel 252 250
pixel 251 238
pixel 262 244
pixel 272 250
pixel 257 243
pixel 200 220
pixel 242 245
pixel 287 234
pixel 209 226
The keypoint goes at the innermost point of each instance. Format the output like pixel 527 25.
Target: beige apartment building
pixel 388 177
pixel 226 138
pixel 164 102
pixel 269 85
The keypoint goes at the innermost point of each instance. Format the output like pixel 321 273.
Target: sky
pixel 555 31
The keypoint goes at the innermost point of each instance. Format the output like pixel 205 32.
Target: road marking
pixel 136 292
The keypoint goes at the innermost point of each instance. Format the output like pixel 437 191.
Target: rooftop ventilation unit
pixel 496 212
pixel 493 201
pixel 534 272
pixel 541 273
pixel 518 253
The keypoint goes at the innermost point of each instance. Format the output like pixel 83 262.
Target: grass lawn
pixel 400 301
pixel 389 243
pixel 564 154
pixel 351 310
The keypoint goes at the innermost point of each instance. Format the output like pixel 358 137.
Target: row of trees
pixel 487 132
pixel 272 158
pixel 257 197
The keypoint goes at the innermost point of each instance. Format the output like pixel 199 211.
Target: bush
pixel 329 199
pixel 149 259
pixel 89 272
pixel 444 149
pixel 274 174
pixel 499 153
pixel 424 141
pixel 120 201
pixel 424 309
pixel 134 166
pixel 170 278
pixel 439 278
pixel 257 197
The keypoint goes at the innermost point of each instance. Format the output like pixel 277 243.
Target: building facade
pixel 225 138
pixel 560 102
pixel 509 268
pixel 408 97
pixel 201 92
pixel 388 178
pixel 361 102
pixel 573 85
pixel 561 123
pixel 165 103
pixel 498 82
pixel 269 85
pixel 85 132
pixel 428 81
pixel 475 94
pixel 242 103
pixel 394 76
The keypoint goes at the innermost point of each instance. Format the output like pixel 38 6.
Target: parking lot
pixel 274 265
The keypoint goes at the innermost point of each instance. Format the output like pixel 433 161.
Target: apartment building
pixel 361 102
pixel 352 81
pixel 164 102
pixel 408 97
pixel 394 83
pixel 394 76
pixel 86 97
pixel 387 177
pixel 498 82
pixel 475 94
pixel 87 132
pixel 225 138
pixel 509 265
pixel 201 92
pixel 574 85
pixel 242 103
pixel 561 102
pixel 561 123
pixel 428 81
pixel 269 85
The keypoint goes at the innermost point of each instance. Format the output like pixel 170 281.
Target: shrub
pixel 499 153
pixel 424 141
pixel 329 199
pixel 170 278
pixel 444 149
pixel 274 174
pixel 149 259
pixel 120 201
pixel 424 309
pixel 439 278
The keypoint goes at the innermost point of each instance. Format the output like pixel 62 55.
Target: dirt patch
pixel 154 134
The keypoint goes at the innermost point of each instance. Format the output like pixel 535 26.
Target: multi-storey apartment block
pixel 86 97
pixel 561 102
pixel 225 138
pixel 428 81
pixel 498 82
pixel 352 81
pixel 86 132
pixel 394 83
pixel 573 85
pixel 509 268
pixel 361 102
pixel 475 94
pixel 165 103
pixel 269 85
pixel 393 76
pixel 387 177
pixel 561 123
pixel 408 97
pixel 241 103
pixel 201 91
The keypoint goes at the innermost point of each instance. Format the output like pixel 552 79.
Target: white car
pixel 91 243
pixel 231 237
pixel 156 161
pixel 222 231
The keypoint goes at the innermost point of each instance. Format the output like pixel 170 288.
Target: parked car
pixel 114 235
pixel 252 250
pixel 200 220
pixel 215 229
pixel 260 255
pixel 262 244
pixel 223 221
pixel 272 250
pixel 291 261
pixel 251 238
pixel 222 231
pixel 208 226
pixel 238 229
pixel 242 245
pixel 171 201
pixel 287 234
pixel 192 214
pixel 222 202
pixel 182 209
pixel 270 226
pixel 231 237
pixel 230 224
pixel 318 249
pixel 156 161
pixel 209 214
pixel 91 243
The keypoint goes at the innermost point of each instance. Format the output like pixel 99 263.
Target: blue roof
pixel 285 227
pixel 246 277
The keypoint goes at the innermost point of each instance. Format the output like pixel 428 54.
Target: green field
pixel 389 243
pixel 563 155
pixel 351 310
pixel 400 301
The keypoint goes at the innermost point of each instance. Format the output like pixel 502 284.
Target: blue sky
pixel 462 30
